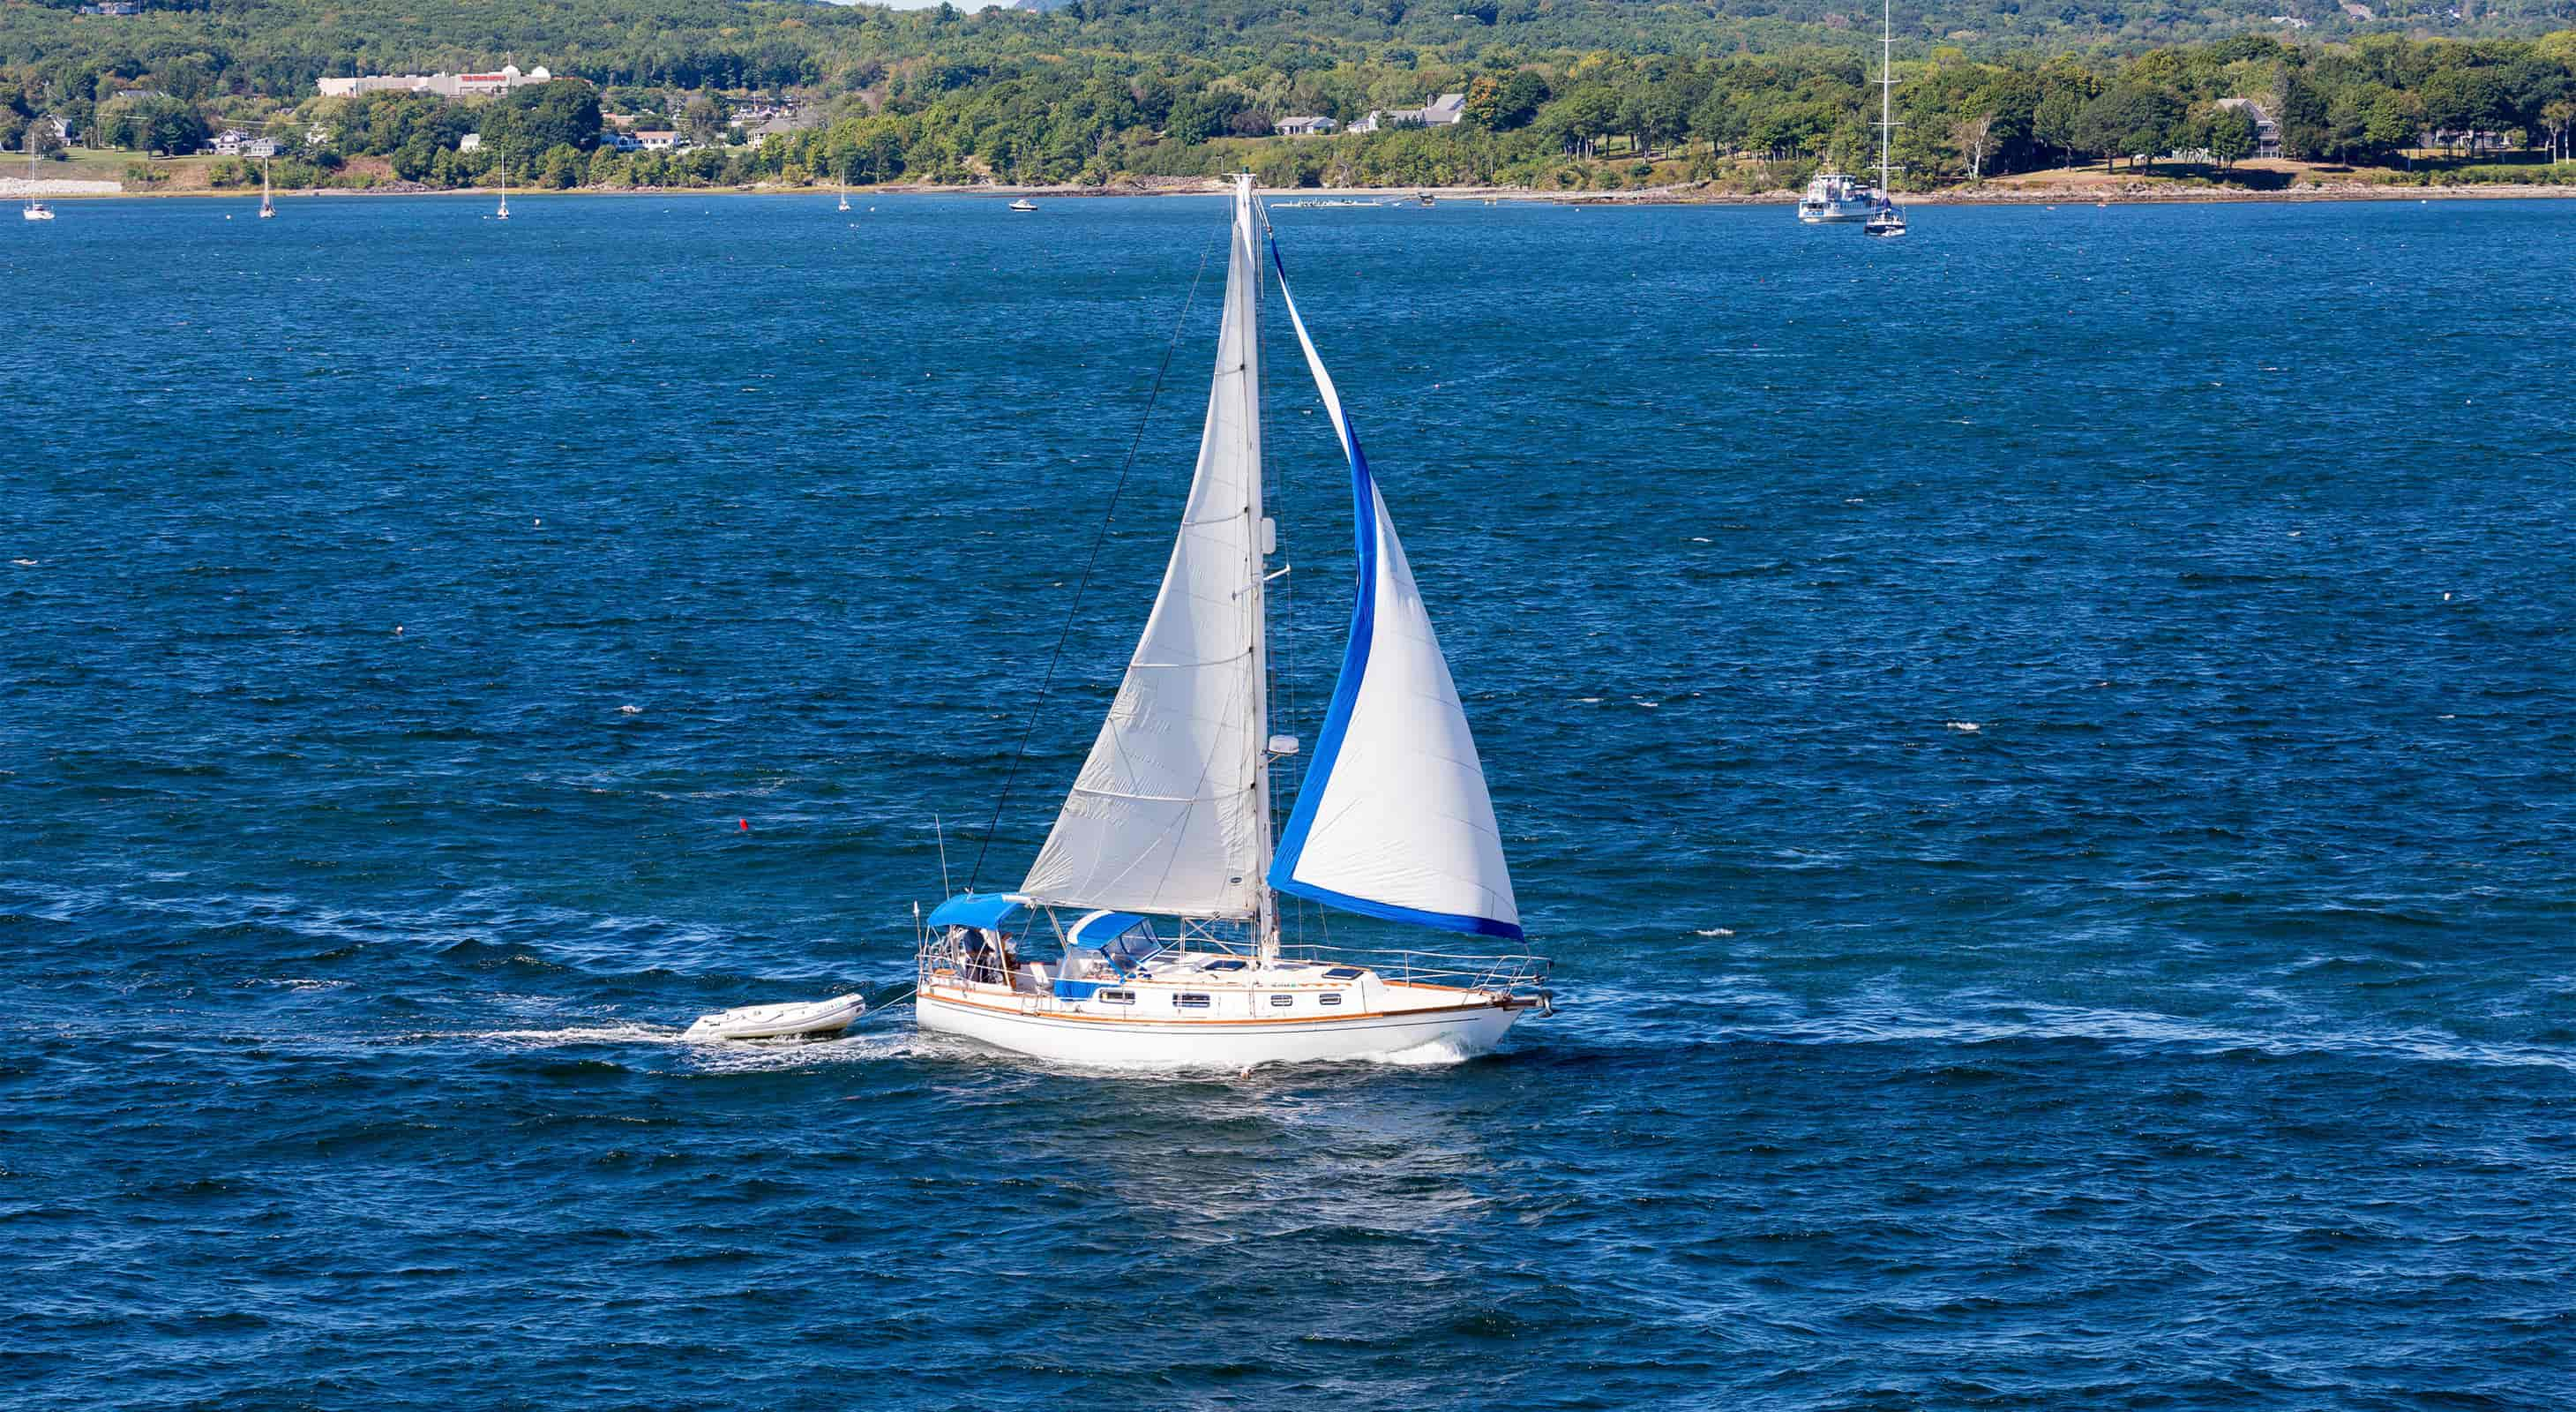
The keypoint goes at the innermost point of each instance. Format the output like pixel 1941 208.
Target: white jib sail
pixel 1394 819
pixel 1168 814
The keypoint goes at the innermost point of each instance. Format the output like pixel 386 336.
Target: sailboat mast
pixel 1265 918
pixel 1886 88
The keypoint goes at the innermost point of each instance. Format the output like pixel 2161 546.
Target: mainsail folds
pixel 1393 820
pixel 1168 815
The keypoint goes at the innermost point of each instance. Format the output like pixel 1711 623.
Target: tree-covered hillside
pixel 278 47
pixel 1558 93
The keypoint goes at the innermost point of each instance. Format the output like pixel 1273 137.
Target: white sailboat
pixel 34 210
pixel 267 207
pixel 503 166
pixel 1886 219
pixel 1147 931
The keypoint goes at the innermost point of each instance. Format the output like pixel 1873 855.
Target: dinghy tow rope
pixel 887 1008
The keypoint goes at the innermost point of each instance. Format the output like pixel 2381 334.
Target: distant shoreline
pixel 1954 196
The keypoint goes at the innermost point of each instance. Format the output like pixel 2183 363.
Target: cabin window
pixel 1328 1000
pixel 1343 973
pixel 1187 1001
pixel 1116 997
pixel 1225 965
pixel 1282 1002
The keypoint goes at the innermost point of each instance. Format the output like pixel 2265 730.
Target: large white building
pixel 445 85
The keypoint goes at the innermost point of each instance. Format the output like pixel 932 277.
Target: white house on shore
pixel 1443 111
pixel 2267 133
pixel 1304 127
pixel 235 142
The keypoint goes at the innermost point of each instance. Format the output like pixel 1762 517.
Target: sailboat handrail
pixel 1503 971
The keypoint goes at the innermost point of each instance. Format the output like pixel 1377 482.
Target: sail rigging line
pixel 1108 517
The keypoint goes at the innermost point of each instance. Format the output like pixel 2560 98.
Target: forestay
pixel 1394 819
pixel 1168 815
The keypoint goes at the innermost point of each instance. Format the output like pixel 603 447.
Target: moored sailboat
pixel 1885 219
pixel 34 210
pixel 1147 931
pixel 267 206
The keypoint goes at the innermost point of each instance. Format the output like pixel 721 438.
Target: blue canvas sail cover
pixel 1393 819
pixel 977 909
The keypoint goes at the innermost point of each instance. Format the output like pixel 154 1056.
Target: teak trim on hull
pixel 1427 1013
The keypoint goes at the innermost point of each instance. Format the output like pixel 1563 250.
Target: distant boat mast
pixel 1886 88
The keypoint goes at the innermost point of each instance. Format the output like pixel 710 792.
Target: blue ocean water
pixel 438 658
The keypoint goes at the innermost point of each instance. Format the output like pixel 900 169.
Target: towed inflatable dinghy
pixel 811 1019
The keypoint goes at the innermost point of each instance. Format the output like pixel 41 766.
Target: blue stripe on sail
pixel 1346 691
pixel 1446 921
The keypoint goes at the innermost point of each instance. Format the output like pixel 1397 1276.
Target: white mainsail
pixel 1170 814
pixel 1394 819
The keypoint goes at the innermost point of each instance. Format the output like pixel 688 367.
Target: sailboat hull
pixel 1453 1032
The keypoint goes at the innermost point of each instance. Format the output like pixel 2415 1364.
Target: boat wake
pixel 713 1055
pixel 1438 1054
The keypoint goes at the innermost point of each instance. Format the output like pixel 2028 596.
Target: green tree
pixel 2394 123
pixel 2056 122
pixel 2229 135
pixel 539 117
pixel 2102 127
pixel 163 125
pixel 2149 118
pixel 2305 110
pixel 562 169
pixel 416 160
pixel 1519 101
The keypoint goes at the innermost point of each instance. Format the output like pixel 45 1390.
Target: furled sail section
pixel 1168 814
pixel 1394 819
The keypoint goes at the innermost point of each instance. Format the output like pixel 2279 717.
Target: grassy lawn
pixel 108 164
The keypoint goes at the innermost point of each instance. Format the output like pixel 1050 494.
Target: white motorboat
pixel 1885 219
pixel 1024 204
pixel 1833 197
pixel 1148 932
pixel 809 1020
